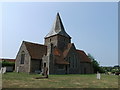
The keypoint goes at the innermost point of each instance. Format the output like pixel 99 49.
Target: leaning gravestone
pixel 1 70
pixel 4 70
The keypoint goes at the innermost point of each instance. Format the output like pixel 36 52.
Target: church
pixel 58 54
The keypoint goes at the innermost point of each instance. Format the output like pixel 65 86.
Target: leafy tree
pixel 95 64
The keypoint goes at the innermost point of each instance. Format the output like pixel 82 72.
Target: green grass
pixel 23 80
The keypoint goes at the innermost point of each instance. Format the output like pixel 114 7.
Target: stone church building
pixel 57 53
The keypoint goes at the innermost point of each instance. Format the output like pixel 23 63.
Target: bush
pixel 101 70
pixel 4 63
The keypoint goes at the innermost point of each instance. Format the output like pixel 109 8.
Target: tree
pixel 95 64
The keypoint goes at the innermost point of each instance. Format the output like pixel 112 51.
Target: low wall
pixel 9 69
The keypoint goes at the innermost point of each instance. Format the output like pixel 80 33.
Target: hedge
pixel 5 63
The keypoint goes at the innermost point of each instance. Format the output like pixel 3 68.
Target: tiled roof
pixel 57 52
pixel 35 50
pixel 9 60
pixel 61 55
pixel 65 53
pixel 58 28
pixel 59 59
pixel 83 56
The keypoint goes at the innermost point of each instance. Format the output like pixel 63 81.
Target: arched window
pixel 22 57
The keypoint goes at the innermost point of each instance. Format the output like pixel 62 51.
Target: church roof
pixel 57 52
pixel 83 56
pixel 59 55
pixel 59 58
pixel 66 51
pixel 58 28
pixel 35 50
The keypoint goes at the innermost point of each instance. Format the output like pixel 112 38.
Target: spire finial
pixel 58 14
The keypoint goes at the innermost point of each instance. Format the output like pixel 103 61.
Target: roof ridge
pixel 65 52
pixel 34 43
pixel 79 50
pixel 84 56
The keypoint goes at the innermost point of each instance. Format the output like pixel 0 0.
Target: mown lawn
pixel 23 80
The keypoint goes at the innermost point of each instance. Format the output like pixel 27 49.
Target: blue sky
pixel 93 26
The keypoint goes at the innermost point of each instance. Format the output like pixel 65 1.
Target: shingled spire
pixel 58 28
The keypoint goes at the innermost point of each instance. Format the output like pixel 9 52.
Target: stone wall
pixel 59 69
pixel 35 65
pixel 9 68
pixel 62 42
pixel 26 66
pixel 50 40
pixel 86 68
pixel 58 41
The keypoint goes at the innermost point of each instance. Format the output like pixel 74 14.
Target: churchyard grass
pixel 23 80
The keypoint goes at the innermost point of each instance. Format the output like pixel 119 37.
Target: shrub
pixel 5 63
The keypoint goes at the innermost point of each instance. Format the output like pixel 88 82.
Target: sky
pixel 93 26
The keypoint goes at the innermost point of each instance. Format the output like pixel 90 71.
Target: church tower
pixel 57 37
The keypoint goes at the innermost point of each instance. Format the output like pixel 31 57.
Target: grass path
pixel 23 80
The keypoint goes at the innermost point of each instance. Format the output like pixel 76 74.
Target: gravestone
pixel 17 69
pixel 1 70
pixel 4 70
pixel 98 75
